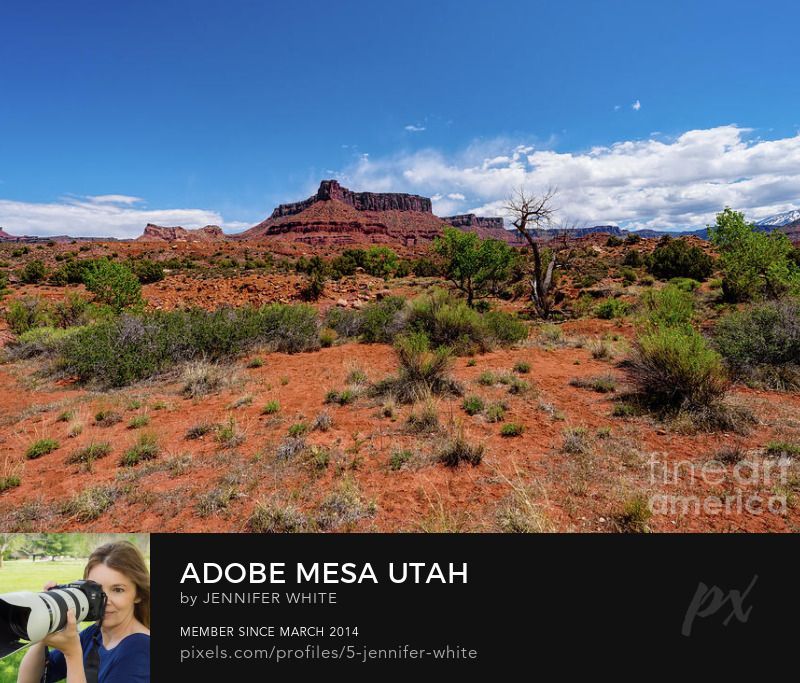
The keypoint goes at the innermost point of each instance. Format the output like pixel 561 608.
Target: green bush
pixel 33 272
pixel 761 344
pixel 113 284
pixel 28 312
pixel 40 341
pixel 755 264
pixel 379 322
pixel 380 262
pixel 512 429
pixel 148 271
pixel 667 307
pixel 422 371
pixel 129 348
pixel 633 259
pixel 472 405
pixel 458 449
pixel 611 308
pixel 673 368
pixel 675 258
pixel 40 448
pixel 145 448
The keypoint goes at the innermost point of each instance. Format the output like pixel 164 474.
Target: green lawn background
pixel 25 575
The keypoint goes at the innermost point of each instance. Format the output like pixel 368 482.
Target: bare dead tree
pixel 530 212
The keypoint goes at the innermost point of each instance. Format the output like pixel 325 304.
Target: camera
pixel 31 617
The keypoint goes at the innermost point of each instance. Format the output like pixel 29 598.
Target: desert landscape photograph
pixel 280 269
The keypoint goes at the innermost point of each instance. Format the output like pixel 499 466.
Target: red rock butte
pixel 336 215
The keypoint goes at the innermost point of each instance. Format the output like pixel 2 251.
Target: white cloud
pixel 667 183
pixel 456 196
pixel 617 107
pixel 113 199
pixel 100 216
pixel 414 129
pixel 636 106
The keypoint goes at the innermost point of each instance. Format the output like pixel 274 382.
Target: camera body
pixel 31 617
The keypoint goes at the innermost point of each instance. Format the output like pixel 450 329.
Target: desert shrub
pixel 447 321
pixel 107 418
pixel 271 407
pixel 496 412
pixel 33 272
pixel 9 481
pixel 761 344
pixel 755 264
pixel 634 515
pixel 90 503
pixel 229 435
pixel 28 312
pixel 271 518
pixel 90 453
pixel 327 337
pixel 512 429
pixel 343 507
pixel 40 448
pixel 127 348
pixel 633 259
pixel 473 405
pixel 673 368
pixel 628 275
pixel 685 284
pixel 71 272
pixel 504 329
pixel 40 341
pixel 602 384
pixel 675 258
pixel 380 262
pixel 458 449
pixel 422 371
pixel 399 458
pixel 201 378
pixel 425 267
pixel 138 421
pixel 424 416
pixel 522 366
pixel 614 241
pixel 201 429
pixel 113 284
pixel 611 308
pixel 323 422
pixel 347 322
pixel 313 287
pixel 148 271
pixel 145 448
pixel 783 449
pixel 667 307
pixel 382 320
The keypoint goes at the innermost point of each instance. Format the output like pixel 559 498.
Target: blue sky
pixel 644 114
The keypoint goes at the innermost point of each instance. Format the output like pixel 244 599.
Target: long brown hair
pixel 126 558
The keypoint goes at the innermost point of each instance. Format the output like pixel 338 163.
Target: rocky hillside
pixel 179 234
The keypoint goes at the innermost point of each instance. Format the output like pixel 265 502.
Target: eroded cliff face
pixel 179 234
pixel 360 201
pixel 470 220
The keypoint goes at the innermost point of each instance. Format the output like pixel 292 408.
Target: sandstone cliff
pixel 179 234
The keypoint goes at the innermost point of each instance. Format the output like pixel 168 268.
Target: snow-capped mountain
pixel 780 219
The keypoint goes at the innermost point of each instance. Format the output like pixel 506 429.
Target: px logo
pixel 708 601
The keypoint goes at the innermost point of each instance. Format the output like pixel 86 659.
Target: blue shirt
pixel 128 662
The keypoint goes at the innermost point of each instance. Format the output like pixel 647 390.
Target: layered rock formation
pixel 179 234
pixel 338 216
pixel 330 190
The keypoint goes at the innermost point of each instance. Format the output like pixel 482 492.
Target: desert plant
pixel 421 371
pixel 107 418
pixel 145 448
pixel 576 441
pixel 673 368
pixel 667 307
pixel 41 447
pixel 269 517
pixel 322 422
pixel 138 421
pixel 473 405
pixel 676 258
pixel 113 284
pixel 88 454
pixel 611 308
pixel 512 429
pixel 424 416
pixel 761 344
pixel 343 507
pixel 496 412
pixel 783 449
pixel 602 384
pixel 271 407
pixel 458 449
pixel 634 515
pixel 399 458
pixel 148 271
pixel 200 429
pixel 522 366
pixel 201 378
pixel 90 503
pixel 33 272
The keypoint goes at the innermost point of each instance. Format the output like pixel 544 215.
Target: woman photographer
pixel 117 648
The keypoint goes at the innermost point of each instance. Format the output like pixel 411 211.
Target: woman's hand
pixel 67 639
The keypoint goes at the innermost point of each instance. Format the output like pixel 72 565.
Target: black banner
pixel 235 606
